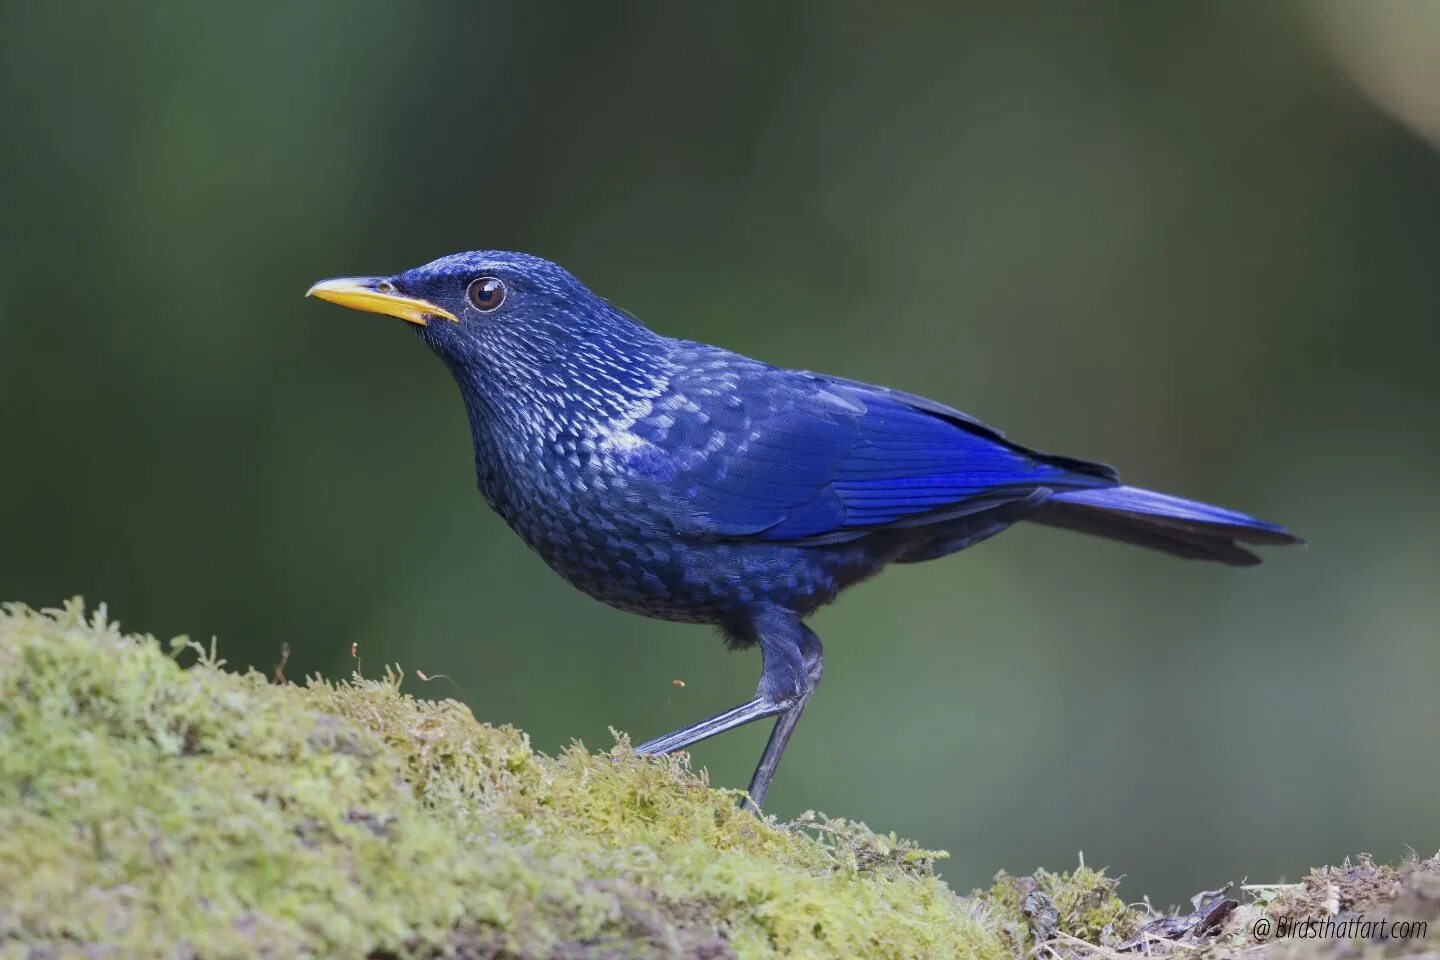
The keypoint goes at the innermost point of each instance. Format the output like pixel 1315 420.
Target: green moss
pixel 147 809
pixel 150 810
pixel 1081 905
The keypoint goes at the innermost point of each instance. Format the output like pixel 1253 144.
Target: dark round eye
pixel 486 293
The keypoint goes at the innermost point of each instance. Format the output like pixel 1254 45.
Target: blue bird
pixel 685 482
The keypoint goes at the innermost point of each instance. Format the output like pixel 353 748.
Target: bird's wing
pixel 783 456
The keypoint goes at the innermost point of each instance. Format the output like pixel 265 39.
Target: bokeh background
pixel 1197 240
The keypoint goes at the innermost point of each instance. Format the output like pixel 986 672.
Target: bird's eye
pixel 486 293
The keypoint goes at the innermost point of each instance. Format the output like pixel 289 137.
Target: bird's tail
pixel 1185 528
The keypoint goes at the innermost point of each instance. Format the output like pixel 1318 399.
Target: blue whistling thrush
pixel 686 482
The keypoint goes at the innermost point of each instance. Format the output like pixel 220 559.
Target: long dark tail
pixel 1185 528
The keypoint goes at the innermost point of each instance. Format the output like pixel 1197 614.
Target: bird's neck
pixel 535 427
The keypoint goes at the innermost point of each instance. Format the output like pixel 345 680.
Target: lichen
pixel 150 809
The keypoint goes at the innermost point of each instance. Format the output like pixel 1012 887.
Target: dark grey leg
pixel 757 709
pixel 794 662
pixel 814 656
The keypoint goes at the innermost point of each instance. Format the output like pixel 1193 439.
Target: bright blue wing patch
pixel 833 460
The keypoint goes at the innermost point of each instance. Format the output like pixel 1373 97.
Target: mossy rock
pixel 147 809
pixel 153 810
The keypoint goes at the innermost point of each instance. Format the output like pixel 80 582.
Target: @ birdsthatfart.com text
pixel 1352 928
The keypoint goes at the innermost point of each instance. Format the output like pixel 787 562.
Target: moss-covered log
pixel 152 810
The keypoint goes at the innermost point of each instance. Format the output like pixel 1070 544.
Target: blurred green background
pixel 1198 241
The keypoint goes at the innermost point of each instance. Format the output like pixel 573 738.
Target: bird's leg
pixel 793 665
pixel 757 709
pixel 814 660
pixel 782 684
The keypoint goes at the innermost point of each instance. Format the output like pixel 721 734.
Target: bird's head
pixel 508 324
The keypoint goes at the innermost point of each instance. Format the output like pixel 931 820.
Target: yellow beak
pixel 376 295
